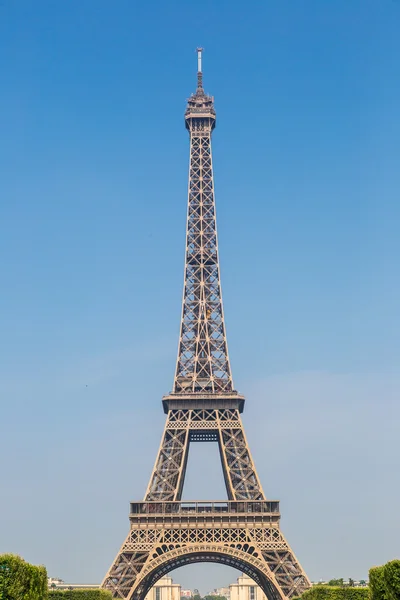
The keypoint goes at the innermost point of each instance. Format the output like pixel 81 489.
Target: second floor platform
pixel 230 511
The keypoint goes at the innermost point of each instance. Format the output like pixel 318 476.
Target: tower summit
pixel 200 106
pixel 242 531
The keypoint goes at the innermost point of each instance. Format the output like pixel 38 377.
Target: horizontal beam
pixel 202 400
pixel 195 507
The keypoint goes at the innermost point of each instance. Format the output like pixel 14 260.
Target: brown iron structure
pixel 243 532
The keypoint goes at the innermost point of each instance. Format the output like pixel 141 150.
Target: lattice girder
pixel 256 544
pixel 203 362
pixel 166 482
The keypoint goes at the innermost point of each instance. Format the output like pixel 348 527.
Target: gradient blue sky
pixel 93 180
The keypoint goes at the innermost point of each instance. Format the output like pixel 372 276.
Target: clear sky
pixel 93 181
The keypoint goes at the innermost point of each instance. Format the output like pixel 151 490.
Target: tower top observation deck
pixel 200 105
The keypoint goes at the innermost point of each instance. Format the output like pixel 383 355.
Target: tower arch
pixel 226 555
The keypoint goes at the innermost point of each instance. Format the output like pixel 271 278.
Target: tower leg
pixel 166 481
pixel 240 475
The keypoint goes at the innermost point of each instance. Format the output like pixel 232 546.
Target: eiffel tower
pixel 242 532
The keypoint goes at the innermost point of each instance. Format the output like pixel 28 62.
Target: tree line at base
pixel 79 595
pixel 21 581
pixel 330 592
pixel 384 584
pixel 384 581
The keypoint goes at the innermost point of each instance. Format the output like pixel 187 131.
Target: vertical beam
pixel 166 481
pixel 241 479
pixel 203 361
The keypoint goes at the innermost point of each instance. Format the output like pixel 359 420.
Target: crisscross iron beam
pixel 203 361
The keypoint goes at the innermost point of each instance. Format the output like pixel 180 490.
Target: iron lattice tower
pixel 243 532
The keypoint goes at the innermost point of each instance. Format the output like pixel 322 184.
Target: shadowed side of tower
pixel 203 406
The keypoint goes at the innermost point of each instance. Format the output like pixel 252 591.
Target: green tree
pixel 5 577
pixel 342 592
pixel 78 594
pixel 391 577
pixel 21 581
pixel 377 588
pixel 336 582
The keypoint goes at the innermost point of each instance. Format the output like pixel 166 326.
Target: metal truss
pixel 244 535
pixel 203 362
pixel 223 426
pixel 242 532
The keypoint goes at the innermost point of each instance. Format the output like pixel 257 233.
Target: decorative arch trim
pixel 227 555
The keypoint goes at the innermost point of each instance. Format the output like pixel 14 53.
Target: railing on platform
pixel 186 508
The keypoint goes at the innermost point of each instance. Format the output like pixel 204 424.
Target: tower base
pixel 168 535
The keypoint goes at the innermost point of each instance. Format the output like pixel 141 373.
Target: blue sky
pixel 93 181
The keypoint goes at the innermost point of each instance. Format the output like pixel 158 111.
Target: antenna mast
pixel 199 69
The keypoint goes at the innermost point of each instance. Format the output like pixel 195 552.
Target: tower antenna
pixel 199 69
